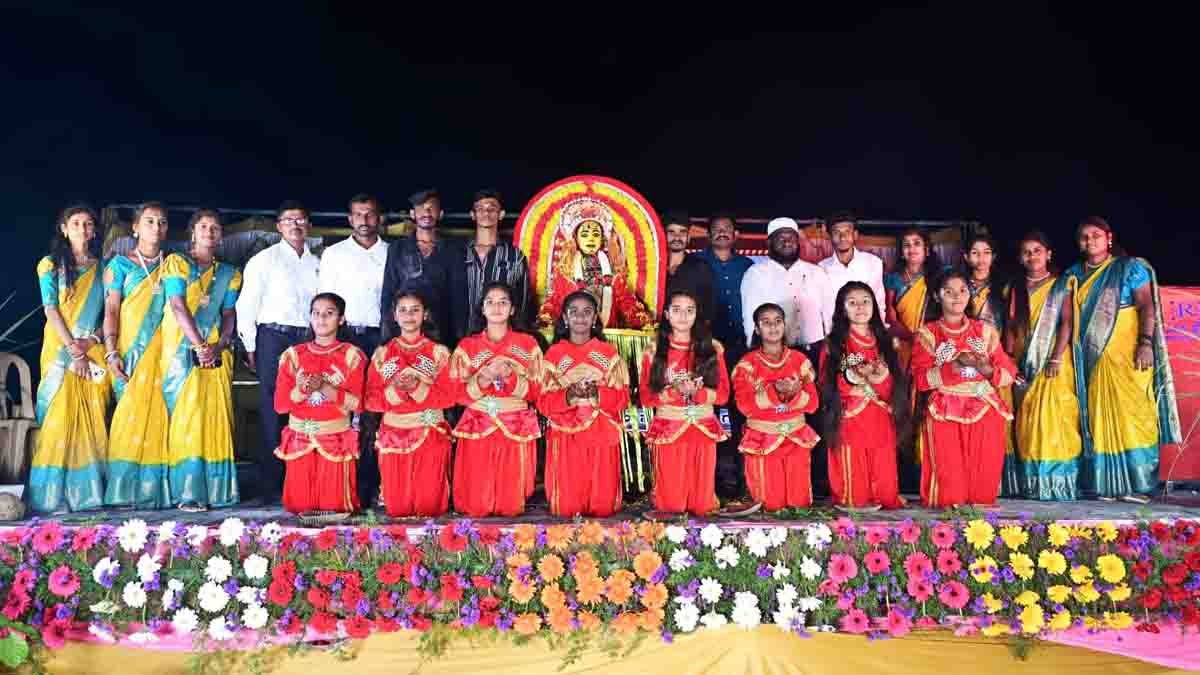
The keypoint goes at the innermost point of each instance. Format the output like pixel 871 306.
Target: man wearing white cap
pixel 801 288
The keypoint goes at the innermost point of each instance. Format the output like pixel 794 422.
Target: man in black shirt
pixel 687 272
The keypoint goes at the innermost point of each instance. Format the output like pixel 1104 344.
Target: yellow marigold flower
pixel 1081 574
pixel 1106 531
pixel 1052 561
pixel 996 630
pixel 981 569
pixel 992 603
pixel 1118 620
pixel 1033 620
pixel 1120 593
pixel 1022 565
pixel 1090 622
pixel 1014 536
pixel 1111 568
pixel 1087 593
pixel 1081 532
pixel 1060 621
pixel 1027 598
pixel 1058 594
pixel 979 533
pixel 1059 535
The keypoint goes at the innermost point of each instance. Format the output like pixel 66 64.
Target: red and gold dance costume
pixel 413 441
pixel 965 423
pixel 318 445
pixel 777 440
pixel 862 469
pixel 684 434
pixel 583 446
pixel 496 459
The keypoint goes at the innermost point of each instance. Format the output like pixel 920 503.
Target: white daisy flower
pixel 686 618
pixel 231 531
pixel 710 590
pixel 676 534
pixel 711 536
pixel 132 535
pixel 134 595
pixel 727 556
pixel 185 621
pixel 218 569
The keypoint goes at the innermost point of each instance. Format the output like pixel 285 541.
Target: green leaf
pixel 14 650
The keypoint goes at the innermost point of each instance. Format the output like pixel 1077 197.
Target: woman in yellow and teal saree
pixel 1123 377
pixel 133 313
pixel 72 397
pixel 198 369
pixel 1039 337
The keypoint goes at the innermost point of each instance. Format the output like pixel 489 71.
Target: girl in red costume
pixel 682 378
pixel 774 388
pixel 409 382
pixel 859 373
pixel 585 390
pixel 496 374
pixel 960 362
pixel 320 385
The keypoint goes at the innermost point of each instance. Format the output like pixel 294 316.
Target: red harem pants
pixel 964 461
pixel 862 469
pixel 492 475
pixel 583 471
pixel 323 478
pixel 684 473
pixel 415 482
pixel 782 478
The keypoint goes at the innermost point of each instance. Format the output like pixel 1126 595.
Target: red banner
pixel 1181 314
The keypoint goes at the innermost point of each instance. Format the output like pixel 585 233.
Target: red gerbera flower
pixel 1142 570
pixel 285 571
pixel 386 625
pixel 326 577
pixel 84 540
pixel 489 535
pixel 384 601
pixel 350 597
pixel 390 573
pixel 289 540
pixel 948 562
pixel 1178 594
pixel 323 622
pixel 451 540
pixel 421 622
pixel 293 626
pixel 326 540
pixel 481 582
pixel 398 533
pixel 1191 616
pixel 489 604
pixel 1192 560
pixel 318 597
pixel 1152 599
pixel 488 619
pixel 450 591
pixel 351 579
pixel 280 593
pixel 54 634
pixel 416 596
pixel 358 627
pixel 1160 530
pixel 362 536
pixel 1175 574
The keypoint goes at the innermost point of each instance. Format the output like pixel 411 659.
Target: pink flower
pixel 943 535
pixel 828 587
pixel 926 622
pixel 910 533
pixel 920 589
pixel 845 601
pixel 898 625
pixel 965 630
pixel 25 579
pixel 877 562
pixel 54 634
pixel 954 595
pixel 855 621
pixel 842 568
pixel 876 535
pixel 64 582
pixel 917 565
pixel 948 562
pixel 844 528
pixel 47 538
pixel 84 540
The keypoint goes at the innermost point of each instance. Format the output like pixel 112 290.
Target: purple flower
pixel 464 528
pixel 62 612
pixel 660 575
pixel 1069 553
pixel 154 584
pixel 363 608
pixel 667 637
pixel 505 622
pixel 1008 575
pixel 992 517
pixel 541 536
pixel 469 615
pixel 764 571
pixel 300 583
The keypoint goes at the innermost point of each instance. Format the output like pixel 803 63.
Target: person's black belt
pixel 288 330
pixel 362 330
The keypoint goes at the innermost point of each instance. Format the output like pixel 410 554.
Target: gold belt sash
pixel 494 405
pixel 689 413
pixel 414 420
pixel 318 427
pixel 781 427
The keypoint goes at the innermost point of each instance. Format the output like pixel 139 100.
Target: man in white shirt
pixel 799 287
pixel 273 311
pixel 353 269
pixel 850 264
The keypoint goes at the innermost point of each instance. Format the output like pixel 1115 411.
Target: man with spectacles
pixel 272 314
pixel 489 259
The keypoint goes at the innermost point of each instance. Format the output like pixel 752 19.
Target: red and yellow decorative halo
pixel 633 219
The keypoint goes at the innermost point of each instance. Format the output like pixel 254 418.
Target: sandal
pixel 192 507
pixel 1135 499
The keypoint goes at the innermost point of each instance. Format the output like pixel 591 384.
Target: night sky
pixel 1020 120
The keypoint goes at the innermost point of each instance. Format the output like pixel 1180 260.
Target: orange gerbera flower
pixel 527 624
pixel 585 566
pixel 647 563
pixel 551 567
pixel 618 591
pixel 553 597
pixel 626 623
pixel 559 620
pixel 521 592
pixel 591 534
pixel 558 537
pixel 524 536
pixel 651 619
pixel 623 576
pixel 655 596
pixel 518 560
pixel 590 590
pixel 651 531
pixel 588 621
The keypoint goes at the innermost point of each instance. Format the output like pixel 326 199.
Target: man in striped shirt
pixel 490 258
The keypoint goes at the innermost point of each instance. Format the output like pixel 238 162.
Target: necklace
pixel 158 266
pixel 1038 280
pixel 954 331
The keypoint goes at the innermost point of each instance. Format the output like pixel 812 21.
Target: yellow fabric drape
pixel 763 651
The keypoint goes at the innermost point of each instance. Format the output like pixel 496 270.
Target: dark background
pixel 1019 119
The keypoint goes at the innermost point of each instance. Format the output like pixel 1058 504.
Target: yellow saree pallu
pixel 910 304
pixel 65 472
pixel 137 455
pixel 1047 424
pixel 199 401
pixel 1128 412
